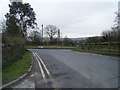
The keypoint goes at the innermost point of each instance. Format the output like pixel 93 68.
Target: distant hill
pixel 47 39
pixel 78 39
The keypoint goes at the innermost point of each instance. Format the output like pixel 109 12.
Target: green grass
pixel 51 47
pixel 58 47
pixel 31 47
pixel 19 67
pixel 103 52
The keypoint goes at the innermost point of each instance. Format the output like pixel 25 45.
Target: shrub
pixel 13 41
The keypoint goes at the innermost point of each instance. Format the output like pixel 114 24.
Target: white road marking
pixel 26 84
pixel 32 75
pixel 41 69
pixel 44 65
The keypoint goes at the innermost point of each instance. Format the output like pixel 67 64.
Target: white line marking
pixel 44 65
pixel 35 54
pixel 43 74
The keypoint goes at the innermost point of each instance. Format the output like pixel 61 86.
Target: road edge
pixel 20 78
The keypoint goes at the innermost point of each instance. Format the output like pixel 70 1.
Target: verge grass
pixel 51 47
pixel 103 52
pixel 16 69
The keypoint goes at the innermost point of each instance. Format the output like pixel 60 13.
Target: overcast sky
pixel 75 18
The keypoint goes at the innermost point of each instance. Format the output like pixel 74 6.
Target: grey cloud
pixel 74 19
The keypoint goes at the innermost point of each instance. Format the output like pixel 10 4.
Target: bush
pixel 12 48
pixel 13 41
pixel 11 52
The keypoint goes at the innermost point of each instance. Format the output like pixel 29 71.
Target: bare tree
pixel 35 35
pixel 51 31
pixel 3 26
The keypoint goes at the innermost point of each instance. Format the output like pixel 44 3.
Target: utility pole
pixel 59 36
pixel 42 32
pixel 59 33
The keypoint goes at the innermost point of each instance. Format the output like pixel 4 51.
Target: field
pixel 104 48
pixel 98 48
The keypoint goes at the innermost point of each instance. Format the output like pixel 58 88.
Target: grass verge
pixel 50 47
pixel 17 68
pixel 98 52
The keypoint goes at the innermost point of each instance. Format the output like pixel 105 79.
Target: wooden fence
pixel 112 47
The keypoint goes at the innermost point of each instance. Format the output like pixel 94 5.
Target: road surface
pixel 71 69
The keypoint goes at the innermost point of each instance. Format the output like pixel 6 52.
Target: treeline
pixel 14 29
pixel 111 35
pixel 36 40
pixel 108 43
pixel 52 36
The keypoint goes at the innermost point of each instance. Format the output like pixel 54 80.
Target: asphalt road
pixel 71 69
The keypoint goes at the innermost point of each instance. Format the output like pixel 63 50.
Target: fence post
pixel 100 46
pixel 93 47
pixel 109 47
pixel 87 46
